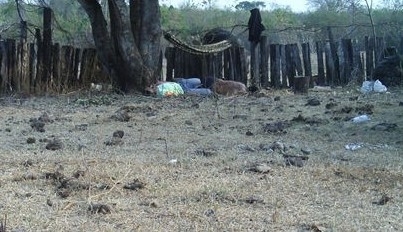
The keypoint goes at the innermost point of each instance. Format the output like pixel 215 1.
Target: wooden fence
pixel 230 64
pixel 36 68
pixel 276 65
pixel 26 68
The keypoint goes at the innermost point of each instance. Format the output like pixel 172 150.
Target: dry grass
pixel 189 164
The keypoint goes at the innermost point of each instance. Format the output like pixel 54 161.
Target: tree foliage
pixel 70 24
pixel 247 5
pixel 348 18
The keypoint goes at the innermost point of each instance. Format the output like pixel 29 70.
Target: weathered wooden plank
pixel 186 64
pixel 369 56
pixel 83 65
pixel 214 65
pixel 32 67
pixel 275 65
pixel 87 66
pixel 76 81
pixel 264 61
pixel 284 72
pixel 254 65
pixel 207 68
pixel 243 66
pixel 3 65
pixel 235 64
pixel 231 66
pixel 47 48
pixel 91 65
pixel 301 84
pixel 358 63
pixel 330 68
pixel 39 63
pixel 290 64
pixel 306 57
pixel 347 62
pixel 17 79
pixel 56 78
pixel 170 58
pixel 22 67
pixel 204 63
pixel 71 78
pixel 196 70
pixel 335 80
pixel 178 68
pixel 379 48
pixel 66 60
pixel 297 59
pixel 227 65
pixel 321 67
pixel 12 65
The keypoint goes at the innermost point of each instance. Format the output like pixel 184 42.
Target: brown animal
pixel 229 88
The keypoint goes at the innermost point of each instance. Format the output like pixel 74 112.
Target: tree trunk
pixel 146 28
pixel 131 57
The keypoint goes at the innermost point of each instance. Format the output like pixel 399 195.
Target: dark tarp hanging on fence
pixel 255 25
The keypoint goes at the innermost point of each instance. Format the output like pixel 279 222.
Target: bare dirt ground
pixel 271 162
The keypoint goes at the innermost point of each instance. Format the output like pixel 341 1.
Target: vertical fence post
pixel 12 65
pixel 290 64
pixel 347 49
pixel 243 65
pixel 321 67
pixel 39 61
pixel 369 52
pixel 275 65
pixel 170 57
pixel 47 48
pixel 330 68
pixel 264 62
pixel 283 61
pixel 56 66
pixel 335 59
pixel 358 64
pixel 77 60
pixel 379 48
pixel 306 56
pixel 254 67
pixel 32 68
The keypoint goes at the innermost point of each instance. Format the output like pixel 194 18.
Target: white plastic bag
pixel 367 87
pixel 361 118
pixel 379 87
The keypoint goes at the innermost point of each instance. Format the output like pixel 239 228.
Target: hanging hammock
pixel 198 49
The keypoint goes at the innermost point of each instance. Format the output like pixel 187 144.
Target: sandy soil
pixel 274 161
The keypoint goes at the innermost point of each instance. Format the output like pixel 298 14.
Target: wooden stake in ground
pixel 301 84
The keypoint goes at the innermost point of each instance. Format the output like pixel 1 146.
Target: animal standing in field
pixel 229 88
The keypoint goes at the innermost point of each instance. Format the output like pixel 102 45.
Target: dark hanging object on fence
pixel 255 26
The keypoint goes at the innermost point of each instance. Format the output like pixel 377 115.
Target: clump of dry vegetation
pixel 271 161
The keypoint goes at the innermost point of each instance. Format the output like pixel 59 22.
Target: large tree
pixel 129 47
